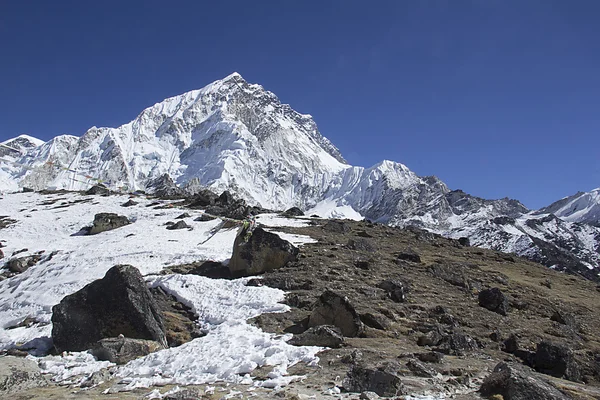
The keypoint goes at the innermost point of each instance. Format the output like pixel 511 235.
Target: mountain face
pixel 581 207
pixel 236 136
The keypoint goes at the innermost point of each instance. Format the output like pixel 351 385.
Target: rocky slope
pixel 236 136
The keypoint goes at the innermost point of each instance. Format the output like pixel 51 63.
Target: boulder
pixel 19 265
pixel 409 255
pixel 99 190
pixel 451 273
pixel 334 309
pixel 264 251
pixel 420 369
pixel 322 335
pixel 494 300
pixel 178 225
pixel 293 212
pixel 18 374
pixel 514 383
pixel 129 203
pixel 458 344
pixel 107 221
pixel 183 215
pixel 121 350
pixel 118 304
pixel 464 241
pixel 556 360
pixel 383 380
pixel 395 289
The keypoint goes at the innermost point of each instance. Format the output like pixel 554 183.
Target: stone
pixel 322 335
pixel 464 241
pixel 178 225
pixel 183 215
pixel 376 321
pixel 17 374
pixel 119 303
pixel 420 369
pixel 409 255
pixel 383 380
pixel 511 345
pixel 514 383
pixel 22 264
pixel 556 360
pixel 165 188
pixel 293 212
pixel 179 321
pixel 334 309
pixel 98 190
pixel 129 203
pixel 121 350
pixel 336 227
pixel 264 251
pixel 107 221
pixel 565 318
pixel 185 394
pixel 494 300
pixel 369 396
pixel 395 289
pixel 458 344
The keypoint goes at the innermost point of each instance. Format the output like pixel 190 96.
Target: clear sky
pixel 496 97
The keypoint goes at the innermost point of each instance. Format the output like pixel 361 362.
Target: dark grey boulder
pixel 334 309
pixel 556 360
pixel 178 225
pixel 409 255
pixel 107 221
pixel 129 203
pixel 383 380
pixel 293 212
pixel 118 304
pixel 165 188
pixel 121 350
pixel 494 300
pixel 264 251
pixel 323 335
pixel 514 383
pixel 98 190
pixel 18 374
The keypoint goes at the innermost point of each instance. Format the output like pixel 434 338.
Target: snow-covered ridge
pixel 581 207
pixel 236 136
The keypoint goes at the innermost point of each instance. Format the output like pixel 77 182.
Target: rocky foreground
pixel 401 311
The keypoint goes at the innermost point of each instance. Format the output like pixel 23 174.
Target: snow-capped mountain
pixel 236 136
pixel 581 207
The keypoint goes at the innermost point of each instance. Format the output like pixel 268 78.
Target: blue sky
pixel 496 97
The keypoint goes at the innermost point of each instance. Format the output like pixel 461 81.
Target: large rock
pixel 264 251
pixel 556 360
pixel 515 384
pixel 121 350
pixel 22 264
pixel 18 374
pixel 494 300
pixel 106 222
pixel 383 380
pixel 334 309
pixel 118 304
pixel 323 335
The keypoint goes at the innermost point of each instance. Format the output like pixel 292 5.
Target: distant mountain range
pixel 236 136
